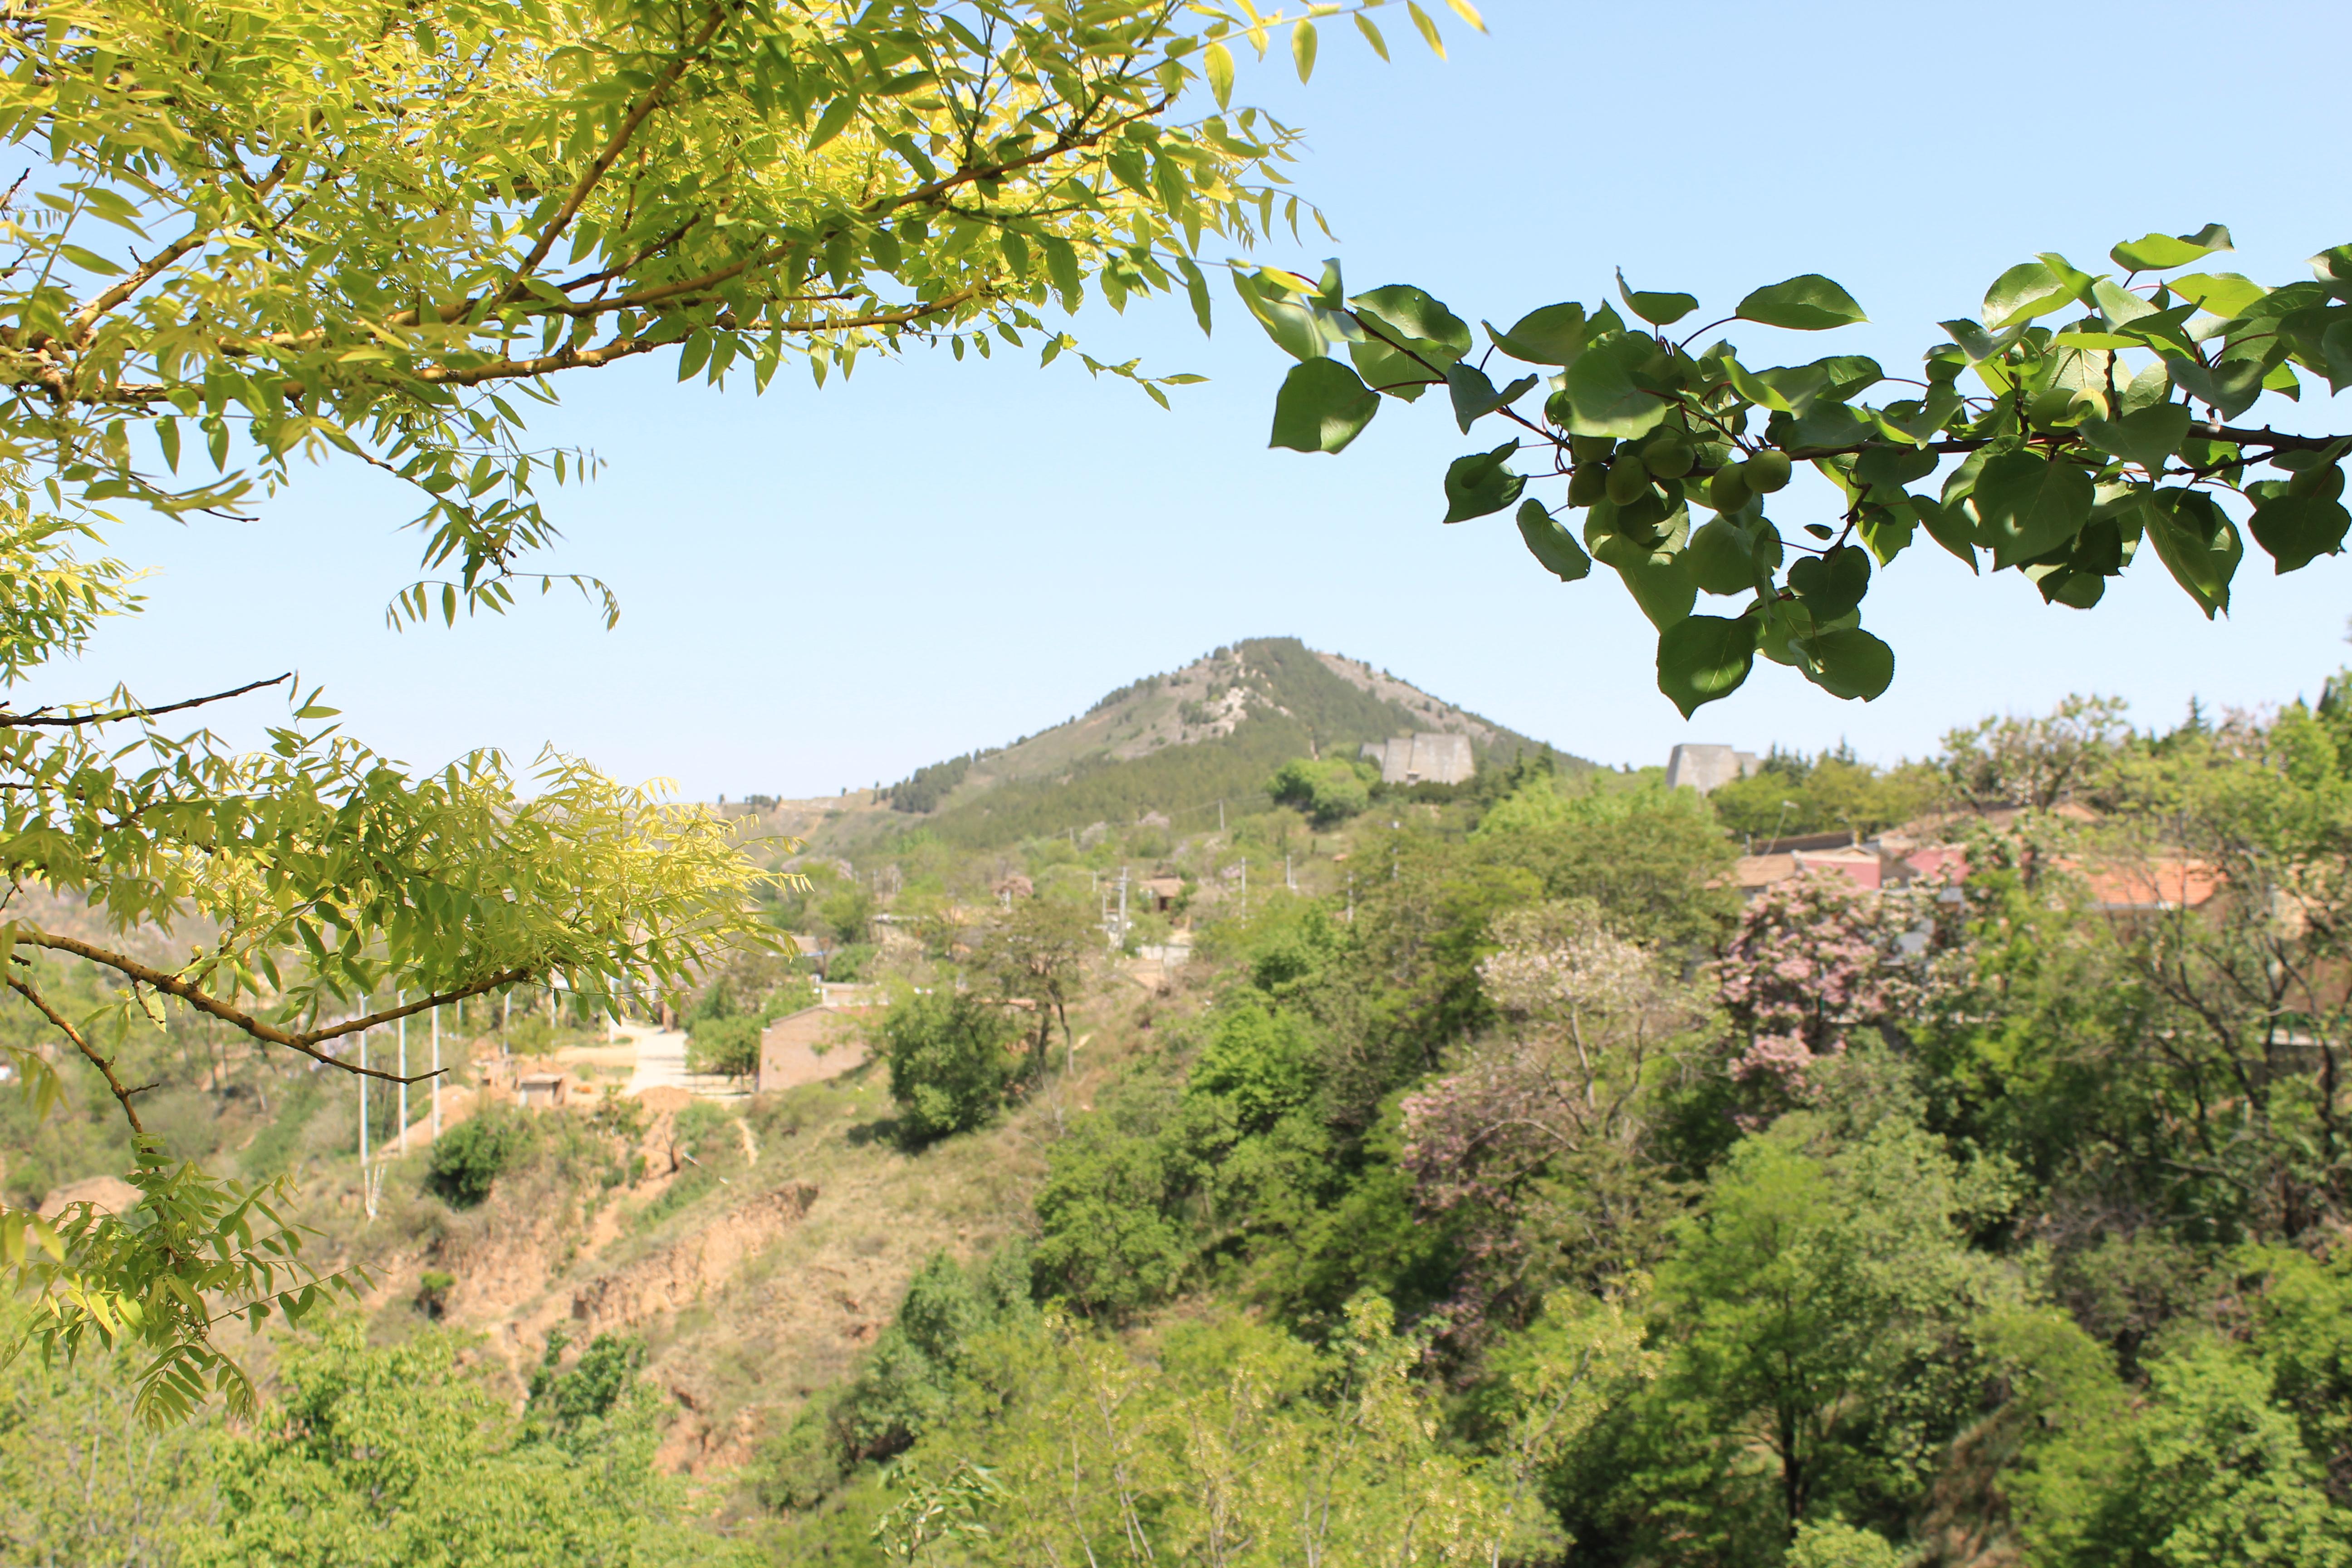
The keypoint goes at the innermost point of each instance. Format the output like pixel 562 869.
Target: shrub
pixel 433 1288
pixel 1329 792
pixel 950 1061
pixel 470 1157
pixel 561 1400
pixel 728 1046
pixel 1259 1059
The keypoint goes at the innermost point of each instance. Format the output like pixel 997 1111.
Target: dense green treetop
pixel 2082 416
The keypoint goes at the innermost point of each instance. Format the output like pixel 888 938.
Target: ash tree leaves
pixel 2085 417
pixel 327 234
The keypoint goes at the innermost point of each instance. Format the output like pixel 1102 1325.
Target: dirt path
pixel 661 1057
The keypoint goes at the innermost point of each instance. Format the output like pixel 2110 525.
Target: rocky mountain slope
pixel 1174 744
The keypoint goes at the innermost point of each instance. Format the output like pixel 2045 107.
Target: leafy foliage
pixel 952 1057
pixel 2081 442
pixel 468 1160
pixel 1328 792
pixel 401 1454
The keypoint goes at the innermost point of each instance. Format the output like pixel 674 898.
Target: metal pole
pixel 400 999
pixel 1122 906
pixel 436 1072
pixel 363 1034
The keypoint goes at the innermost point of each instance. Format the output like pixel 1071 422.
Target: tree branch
pixel 614 147
pixel 24 989
pixel 307 1042
pixel 41 716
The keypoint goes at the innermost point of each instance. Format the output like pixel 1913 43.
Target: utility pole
pixel 1221 817
pixel 400 999
pixel 363 1034
pixel 1122 906
pixel 437 1073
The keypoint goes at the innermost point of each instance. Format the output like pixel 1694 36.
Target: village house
pixel 818 1042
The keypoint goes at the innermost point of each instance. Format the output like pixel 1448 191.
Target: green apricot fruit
pixel 1586 483
pixel 1669 460
pixel 1628 478
pixel 2054 407
pixel 1589 448
pixel 1728 490
pixel 1767 471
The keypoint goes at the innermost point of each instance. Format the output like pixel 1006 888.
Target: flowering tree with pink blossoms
pixel 1814 959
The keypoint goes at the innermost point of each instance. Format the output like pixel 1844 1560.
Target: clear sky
pixel 825 589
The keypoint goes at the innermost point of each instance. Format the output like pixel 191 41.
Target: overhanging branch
pixel 307 1042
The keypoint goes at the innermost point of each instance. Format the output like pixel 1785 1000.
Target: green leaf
pixel 2223 294
pixel 1428 338
pixel 2027 505
pixel 1703 657
pixel 1948 525
pixel 1196 290
pixel 833 120
pixel 1475 397
pixel 1302 48
pixel 1062 267
pixel 2147 438
pixel 1831 583
pixel 2295 529
pixel 1553 335
pixel 1551 544
pixel 1372 36
pixel 1806 303
pixel 1479 483
pixel 1294 328
pixel 1850 663
pixel 1658 310
pixel 2336 348
pixel 2197 544
pixel 2032 289
pixel 1892 468
pixel 1721 559
pixel 1321 407
pixel 1979 344
pixel 1410 312
pixel 1659 582
pixel 88 261
pixel 1601 397
pixel 1219 61
pixel 1427 28
pixel 2158 252
pixel 2230 388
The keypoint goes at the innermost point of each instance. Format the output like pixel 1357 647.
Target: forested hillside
pixel 1512 1175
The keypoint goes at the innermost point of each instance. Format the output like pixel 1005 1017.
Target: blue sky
pixel 825 589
